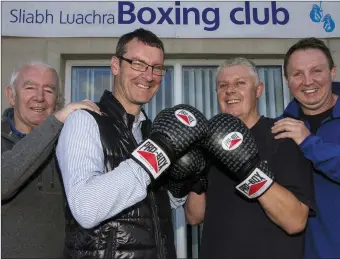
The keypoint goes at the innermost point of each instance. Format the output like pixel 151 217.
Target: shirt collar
pixel 139 121
pixel 141 117
pixel 11 124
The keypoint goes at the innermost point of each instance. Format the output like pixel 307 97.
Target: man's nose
pixel 230 89
pixel 39 95
pixel 308 79
pixel 148 75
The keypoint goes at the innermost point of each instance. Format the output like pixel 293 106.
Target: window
pixel 90 82
pixel 186 81
pixel 199 89
pixel 271 102
pixel 164 97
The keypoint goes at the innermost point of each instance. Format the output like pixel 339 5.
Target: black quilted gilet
pixel 141 231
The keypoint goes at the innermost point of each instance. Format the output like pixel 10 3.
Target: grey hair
pixel 40 64
pixel 240 61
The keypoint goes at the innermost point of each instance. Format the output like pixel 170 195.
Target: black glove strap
pixel 199 187
pixel 161 141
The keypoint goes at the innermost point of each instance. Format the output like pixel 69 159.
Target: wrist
pixel 152 158
pixel 59 116
pixel 200 186
pixel 257 182
pixel 55 122
pixel 308 141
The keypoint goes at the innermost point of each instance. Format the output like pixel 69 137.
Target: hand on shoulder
pixel 62 114
pixel 291 128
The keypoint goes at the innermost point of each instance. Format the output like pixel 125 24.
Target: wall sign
pixel 174 19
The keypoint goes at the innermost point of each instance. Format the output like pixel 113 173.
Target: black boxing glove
pixel 197 184
pixel 231 143
pixel 173 131
pixel 188 174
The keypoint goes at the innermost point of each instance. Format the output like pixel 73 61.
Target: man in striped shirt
pixel 114 211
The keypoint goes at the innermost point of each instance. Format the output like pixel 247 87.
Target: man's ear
pixel 333 72
pixel 10 95
pixel 115 65
pixel 259 90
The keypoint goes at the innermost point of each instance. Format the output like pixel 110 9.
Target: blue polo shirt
pixel 11 125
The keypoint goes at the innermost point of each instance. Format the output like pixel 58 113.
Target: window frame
pixel 177 65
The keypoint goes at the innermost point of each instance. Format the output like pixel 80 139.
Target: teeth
pixel 233 101
pixel 38 109
pixel 310 91
pixel 143 86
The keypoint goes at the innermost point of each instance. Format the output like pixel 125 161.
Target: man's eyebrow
pixel 137 59
pixel 53 86
pixel 238 78
pixel 28 82
pixel 222 81
pixel 244 77
pixel 143 61
pixel 320 66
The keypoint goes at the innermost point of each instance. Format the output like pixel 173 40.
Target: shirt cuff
pixel 176 202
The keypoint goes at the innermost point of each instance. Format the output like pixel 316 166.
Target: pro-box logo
pixel 187 118
pixel 232 141
pixel 256 184
pixel 152 157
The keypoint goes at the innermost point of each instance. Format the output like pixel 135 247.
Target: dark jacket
pixel 143 231
pixel 32 213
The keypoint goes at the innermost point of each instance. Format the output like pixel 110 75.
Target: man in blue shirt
pixel 312 120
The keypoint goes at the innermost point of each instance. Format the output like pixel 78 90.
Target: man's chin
pixel 231 112
pixel 35 123
pixel 142 102
pixel 310 104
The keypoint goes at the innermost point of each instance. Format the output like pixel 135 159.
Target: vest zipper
pixel 110 244
pixel 160 254
pixel 157 226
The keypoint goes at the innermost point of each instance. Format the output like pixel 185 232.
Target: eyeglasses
pixel 141 66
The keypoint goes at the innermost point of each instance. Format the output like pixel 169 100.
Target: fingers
pixel 282 127
pixel 285 120
pixel 284 135
pixel 88 104
pixel 286 124
pixel 84 104
pixel 291 128
pixel 289 121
